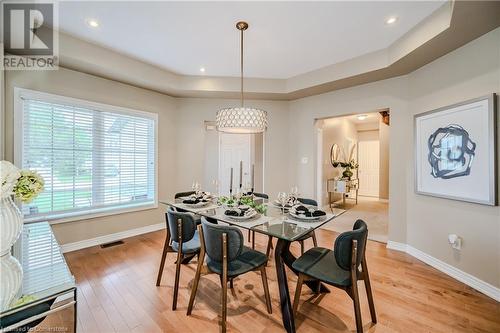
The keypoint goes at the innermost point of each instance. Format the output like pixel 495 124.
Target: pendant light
pixel 241 119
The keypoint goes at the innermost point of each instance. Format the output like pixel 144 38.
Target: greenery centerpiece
pixel 244 200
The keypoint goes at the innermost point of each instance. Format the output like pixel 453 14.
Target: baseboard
pixel 69 247
pixel 396 246
pixel 466 278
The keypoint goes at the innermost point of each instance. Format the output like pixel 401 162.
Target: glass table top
pixel 273 222
pixel 45 272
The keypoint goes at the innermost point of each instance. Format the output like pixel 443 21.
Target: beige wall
pixel 75 84
pixel 420 221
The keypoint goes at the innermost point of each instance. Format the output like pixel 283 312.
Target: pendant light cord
pixel 241 69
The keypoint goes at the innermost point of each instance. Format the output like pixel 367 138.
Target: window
pixel 94 158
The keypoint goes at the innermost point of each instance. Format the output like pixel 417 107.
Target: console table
pixel 342 186
pixel 46 277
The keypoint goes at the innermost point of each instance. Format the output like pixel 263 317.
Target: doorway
pixel 362 145
pixel 240 149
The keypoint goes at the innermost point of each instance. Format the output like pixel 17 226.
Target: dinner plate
pixel 244 217
pixel 303 217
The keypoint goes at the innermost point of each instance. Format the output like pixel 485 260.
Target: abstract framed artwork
pixel 456 151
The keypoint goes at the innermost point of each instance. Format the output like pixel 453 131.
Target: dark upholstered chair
pixel 228 258
pixel 182 238
pixel 312 234
pixel 339 268
pixel 177 195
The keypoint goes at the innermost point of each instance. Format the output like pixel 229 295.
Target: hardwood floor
pixel 117 293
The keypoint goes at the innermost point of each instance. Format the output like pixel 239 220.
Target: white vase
pixel 11 224
pixel 12 277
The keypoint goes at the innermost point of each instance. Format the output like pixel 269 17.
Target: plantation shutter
pixel 91 160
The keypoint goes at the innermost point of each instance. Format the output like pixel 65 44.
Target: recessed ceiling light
pixel 92 23
pixel 202 69
pixel 362 116
pixel 391 20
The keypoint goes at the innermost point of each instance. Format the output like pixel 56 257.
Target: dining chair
pixel 177 195
pixel 251 233
pixel 183 239
pixel 312 234
pixel 339 268
pixel 227 257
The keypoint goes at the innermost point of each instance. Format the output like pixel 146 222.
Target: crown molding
pixel 451 26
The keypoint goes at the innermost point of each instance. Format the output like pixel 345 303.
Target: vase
pixel 11 224
pixel 347 174
pixel 12 278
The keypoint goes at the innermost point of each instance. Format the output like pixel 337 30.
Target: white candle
pixel 241 173
pixel 231 182
pixel 253 176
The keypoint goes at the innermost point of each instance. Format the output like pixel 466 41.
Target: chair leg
pixel 269 246
pixel 195 285
pixel 201 258
pixel 301 247
pixel 177 265
pixel 315 242
pixel 231 283
pixel 162 262
pixel 298 290
pixel 224 282
pixel 357 308
pixel 266 289
pixel 176 283
pixel 368 288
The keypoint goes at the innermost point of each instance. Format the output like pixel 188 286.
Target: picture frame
pixel 456 154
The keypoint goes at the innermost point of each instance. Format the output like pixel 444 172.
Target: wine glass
pixel 215 183
pixel 282 200
pixel 294 193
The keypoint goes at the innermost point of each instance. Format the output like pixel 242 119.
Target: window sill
pixel 79 216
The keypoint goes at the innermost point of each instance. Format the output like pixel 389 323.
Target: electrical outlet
pixel 455 241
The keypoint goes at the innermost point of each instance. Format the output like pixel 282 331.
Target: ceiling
pixel 284 39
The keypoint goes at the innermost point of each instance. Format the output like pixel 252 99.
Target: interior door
pixel 368 172
pixel 234 148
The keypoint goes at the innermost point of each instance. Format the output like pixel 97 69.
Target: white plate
pixel 303 217
pixel 244 217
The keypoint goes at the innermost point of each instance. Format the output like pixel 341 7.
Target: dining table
pixel 275 222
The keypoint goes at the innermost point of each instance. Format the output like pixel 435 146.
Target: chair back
pixel 343 245
pixel 310 202
pixel 183 194
pixel 261 195
pixel 188 225
pixel 212 235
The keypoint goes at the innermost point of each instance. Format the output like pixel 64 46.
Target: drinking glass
pixel 282 200
pixel 215 182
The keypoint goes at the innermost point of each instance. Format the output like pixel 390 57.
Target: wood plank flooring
pixel 117 293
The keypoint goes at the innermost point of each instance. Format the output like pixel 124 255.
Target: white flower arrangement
pixel 24 185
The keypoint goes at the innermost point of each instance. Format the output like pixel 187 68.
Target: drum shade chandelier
pixel 241 119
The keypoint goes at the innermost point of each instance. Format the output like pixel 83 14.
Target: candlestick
pixel 253 177
pixel 231 183
pixel 241 174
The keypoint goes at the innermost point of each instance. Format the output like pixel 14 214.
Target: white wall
pixel 334 130
pixel 421 221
